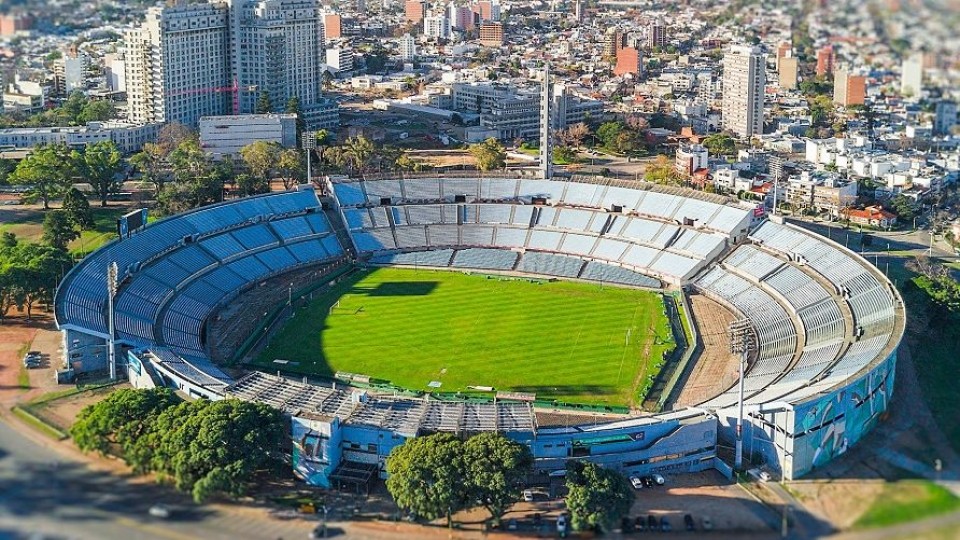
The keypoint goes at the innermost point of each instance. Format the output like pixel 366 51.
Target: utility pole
pixel 741 342
pixel 111 292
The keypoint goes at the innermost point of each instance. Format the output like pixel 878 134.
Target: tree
pixel 96 111
pixel 495 470
pixel 59 230
pixel 189 161
pixel 119 424
pixel 151 162
pixel 264 105
pixel 608 132
pixel 357 152
pixel 77 207
pixel 212 448
pixel 902 206
pixel 489 154
pixel 662 171
pixel 46 172
pixel 291 167
pixel 426 476
pixel 172 135
pixel 597 497
pixel 99 164
pixel 720 144
pixel 29 273
pixel 577 133
pixel 261 157
pixel 248 184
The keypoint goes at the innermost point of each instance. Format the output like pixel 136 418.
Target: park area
pixel 443 331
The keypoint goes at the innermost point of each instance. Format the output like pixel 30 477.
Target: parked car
pixel 32 359
pixel 528 495
pixel 512 525
pixel 562 524
pixel 665 525
pixel 765 476
pixel 652 523
pixel 640 524
pixel 688 522
pixel 706 524
pixel 647 481
pixel 636 482
pixel 626 525
pixel 659 480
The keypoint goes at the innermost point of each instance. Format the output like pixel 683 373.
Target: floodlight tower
pixel 546 123
pixel 111 292
pixel 309 143
pixel 741 342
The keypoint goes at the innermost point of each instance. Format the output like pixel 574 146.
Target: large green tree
pixel 59 230
pixel 291 167
pixel 597 497
pixel 427 476
pixel 120 424
pixel 495 470
pixel 264 105
pixel 212 448
pixel 151 161
pixel 46 173
pixel 29 273
pixel 99 165
pixel 489 154
pixel 261 157
pixel 77 207
pixel 720 144
pixel 358 151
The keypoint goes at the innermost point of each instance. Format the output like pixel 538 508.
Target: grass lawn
pixel 561 340
pixel 27 224
pixel 908 500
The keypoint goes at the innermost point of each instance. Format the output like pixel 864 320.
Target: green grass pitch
pixel 574 342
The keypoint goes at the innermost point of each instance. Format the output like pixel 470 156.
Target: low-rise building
pixel 822 191
pixel 222 136
pixel 129 138
pixel 691 157
pixel 873 216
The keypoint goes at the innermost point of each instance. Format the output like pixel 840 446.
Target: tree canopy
pixel 77 207
pixel 98 165
pixel 59 230
pixel 206 448
pixel 29 273
pixel 597 497
pixel 489 154
pixel 437 475
pixel 46 172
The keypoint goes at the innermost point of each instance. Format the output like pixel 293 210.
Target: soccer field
pixel 573 342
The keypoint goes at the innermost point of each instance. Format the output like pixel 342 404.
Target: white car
pixel 636 482
pixel 161 511
pixel 658 479
pixel 764 476
pixel 562 524
pixel 528 495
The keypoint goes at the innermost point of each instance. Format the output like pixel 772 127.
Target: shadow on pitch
pixel 398 288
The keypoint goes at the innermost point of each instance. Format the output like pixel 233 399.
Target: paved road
pixel 45 491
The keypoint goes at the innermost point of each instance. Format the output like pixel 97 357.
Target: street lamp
pixel 111 292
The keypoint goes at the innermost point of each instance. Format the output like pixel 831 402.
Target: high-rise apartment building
pixel 436 26
pixel 276 46
pixel 629 61
pixel 945 117
pixel 657 34
pixel 849 89
pixel 178 65
pixel 787 68
pixel 332 26
pixel 911 75
pixel 825 60
pixel 408 48
pixel 743 86
pixel 415 11
pixel 191 60
pixel 578 10
pixel 491 34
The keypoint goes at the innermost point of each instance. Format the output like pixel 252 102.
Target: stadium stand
pixel 826 324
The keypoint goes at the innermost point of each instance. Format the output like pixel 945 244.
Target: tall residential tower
pixel 743 85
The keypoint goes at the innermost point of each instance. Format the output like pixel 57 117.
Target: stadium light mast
pixel 111 345
pixel 740 343
pixel 309 143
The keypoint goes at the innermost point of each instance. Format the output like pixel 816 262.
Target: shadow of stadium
pixel 397 288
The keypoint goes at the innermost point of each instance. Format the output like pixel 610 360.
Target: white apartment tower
pixel 743 84
pixel 177 65
pixel 911 75
pixel 436 26
pixel 277 48
pixel 547 123
pixel 408 48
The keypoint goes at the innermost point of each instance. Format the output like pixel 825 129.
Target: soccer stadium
pixel 562 313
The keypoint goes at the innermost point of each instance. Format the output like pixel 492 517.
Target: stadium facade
pixel 825 323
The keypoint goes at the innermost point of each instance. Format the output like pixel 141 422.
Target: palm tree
pixel 358 151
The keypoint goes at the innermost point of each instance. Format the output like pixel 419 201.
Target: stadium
pixel 818 325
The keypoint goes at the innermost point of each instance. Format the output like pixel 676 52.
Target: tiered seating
pixel 438 257
pixel 606 273
pixel 488 259
pixel 550 265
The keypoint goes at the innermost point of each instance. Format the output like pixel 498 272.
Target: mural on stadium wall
pixel 316 449
pixel 825 428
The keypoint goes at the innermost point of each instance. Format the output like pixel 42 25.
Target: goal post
pixel 334 306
